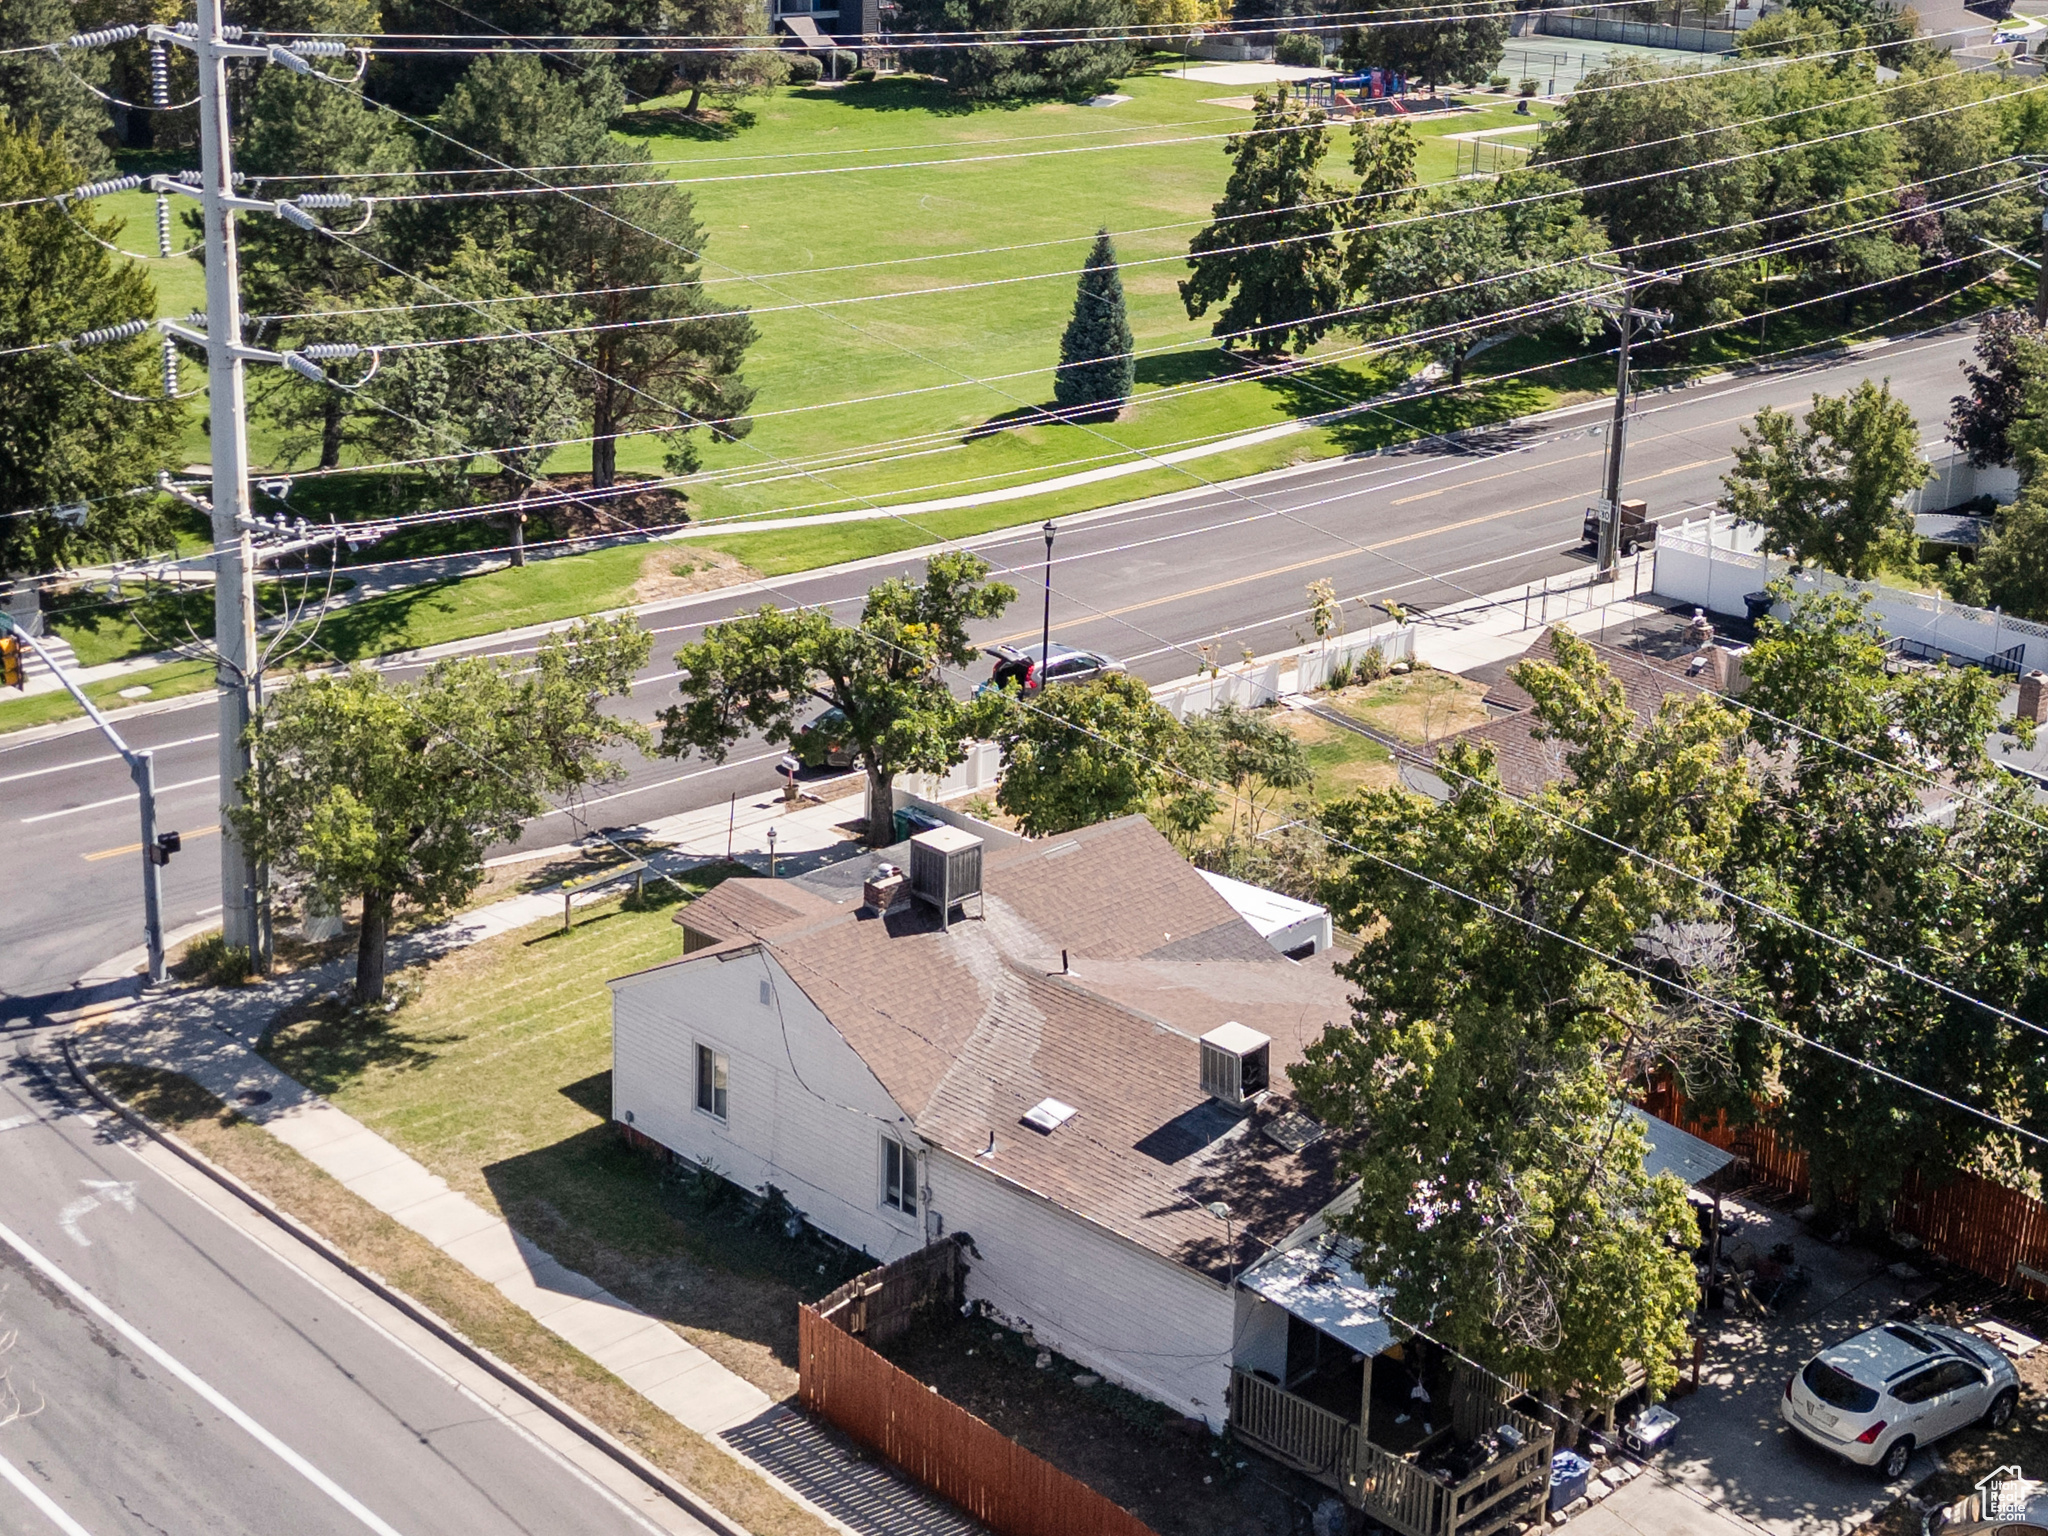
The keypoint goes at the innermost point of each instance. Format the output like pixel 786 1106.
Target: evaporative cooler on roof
pixel 945 868
pixel 1236 1064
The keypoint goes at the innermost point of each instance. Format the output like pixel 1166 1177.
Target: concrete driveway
pixel 1735 1465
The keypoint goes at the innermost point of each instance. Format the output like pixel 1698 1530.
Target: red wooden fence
pixel 937 1442
pixel 1969 1221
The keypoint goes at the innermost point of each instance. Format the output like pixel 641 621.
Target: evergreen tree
pixel 1271 258
pixel 50 94
pixel 63 437
pixel 1097 367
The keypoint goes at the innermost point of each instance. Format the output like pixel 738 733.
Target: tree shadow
pixel 918 93
pixel 674 122
pixel 377 625
pixel 329 1046
pixel 1169 370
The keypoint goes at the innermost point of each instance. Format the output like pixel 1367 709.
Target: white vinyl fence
pixel 1716 564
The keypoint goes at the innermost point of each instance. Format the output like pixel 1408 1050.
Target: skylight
pixel 1048 1115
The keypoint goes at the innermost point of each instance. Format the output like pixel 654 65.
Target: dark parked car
pixel 1018 667
pixel 823 742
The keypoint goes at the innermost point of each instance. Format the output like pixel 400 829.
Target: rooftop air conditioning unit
pixel 945 868
pixel 1236 1064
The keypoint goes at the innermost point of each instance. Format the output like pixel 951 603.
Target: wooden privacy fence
pixel 1980 1226
pixel 939 1443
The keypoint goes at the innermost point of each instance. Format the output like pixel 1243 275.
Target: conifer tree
pixel 1096 363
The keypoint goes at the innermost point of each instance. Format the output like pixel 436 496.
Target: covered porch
pixel 1421 1443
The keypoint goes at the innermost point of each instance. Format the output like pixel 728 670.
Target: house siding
pixel 803 1112
pixel 1136 1318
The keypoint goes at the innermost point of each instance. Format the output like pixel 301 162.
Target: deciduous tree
pixel 1271 259
pixel 2010 355
pixel 388 792
pixel 1465 46
pixel 1032 47
pixel 1840 838
pixel 1505 1206
pixel 1482 258
pixel 764 673
pixel 1079 753
pixel 1831 489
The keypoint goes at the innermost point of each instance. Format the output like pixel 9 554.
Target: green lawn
pixel 495 1073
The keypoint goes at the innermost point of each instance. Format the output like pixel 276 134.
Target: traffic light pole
pixel 142 769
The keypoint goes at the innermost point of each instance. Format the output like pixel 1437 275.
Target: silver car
pixel 1873 1398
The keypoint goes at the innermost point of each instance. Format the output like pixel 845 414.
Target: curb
pixel 584 1429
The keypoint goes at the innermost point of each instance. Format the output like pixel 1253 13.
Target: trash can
pixel 1568 1473
pixel 1758 604
pixel 911 820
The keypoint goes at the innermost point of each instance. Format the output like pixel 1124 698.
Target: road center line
pixel 191 1379
pixel 40 1499
pixel 101 805
pixel 115 853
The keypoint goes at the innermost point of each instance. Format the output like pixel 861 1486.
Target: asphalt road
pixel 177 1377
pixel 1150 583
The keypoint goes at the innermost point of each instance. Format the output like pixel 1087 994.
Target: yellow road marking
pixel 115 853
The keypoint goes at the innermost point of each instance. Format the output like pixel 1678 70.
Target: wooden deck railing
pixel 1321 1443
pixel 1392 1489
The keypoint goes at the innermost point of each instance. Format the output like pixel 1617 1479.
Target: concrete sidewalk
pixel 210 1036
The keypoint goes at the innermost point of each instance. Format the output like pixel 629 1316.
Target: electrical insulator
pixel 332 349
pixel 170 369
pixel 101 188
pixel 163 225
pixel 105 334
pixel 159 76
pixel 102 37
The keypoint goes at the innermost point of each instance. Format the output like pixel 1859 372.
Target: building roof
pixel 1101 958
pixel 1526 762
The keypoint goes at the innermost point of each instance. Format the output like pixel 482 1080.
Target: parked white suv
pixel 1873 1398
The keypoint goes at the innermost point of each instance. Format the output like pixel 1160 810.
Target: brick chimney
pixel 884 888
pixel 2034 697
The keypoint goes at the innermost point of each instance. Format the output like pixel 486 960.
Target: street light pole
pixel 1045 629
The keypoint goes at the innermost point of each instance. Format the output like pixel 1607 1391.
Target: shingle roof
pixel 971 1026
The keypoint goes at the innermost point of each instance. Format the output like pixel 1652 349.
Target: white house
pixel 1030 1072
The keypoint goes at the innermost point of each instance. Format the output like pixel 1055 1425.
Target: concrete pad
pixel 398 1187
pixel 351 1157
pixel 603 1331
pixel 1249 74
pixel 1651 1506
pixel 490 1255
pixel 446 1217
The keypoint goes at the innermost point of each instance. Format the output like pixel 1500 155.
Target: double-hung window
pixel 711 1081
pixel 899 1176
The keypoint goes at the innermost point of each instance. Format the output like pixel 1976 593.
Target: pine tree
pixel 1096 365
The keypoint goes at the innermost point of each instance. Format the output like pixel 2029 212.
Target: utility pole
pixel 1625 315
pixel 2038 164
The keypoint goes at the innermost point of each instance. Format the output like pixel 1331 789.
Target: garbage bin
pixel 910 820
pixel 1568 1473
pixel 1758 604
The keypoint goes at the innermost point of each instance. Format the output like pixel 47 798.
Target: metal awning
pixel 806 32
pixel 1672 1150
pixel 1315 1281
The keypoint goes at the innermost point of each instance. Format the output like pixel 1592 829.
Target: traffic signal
pixel 10 661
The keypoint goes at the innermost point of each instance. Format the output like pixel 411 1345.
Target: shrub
pixel 1371 667
pixel 1530 87
pixel 862 74
pixel 1339 678
pixel 1497 82
pixel 805 68
pixel 216 962
pixel 1301 49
